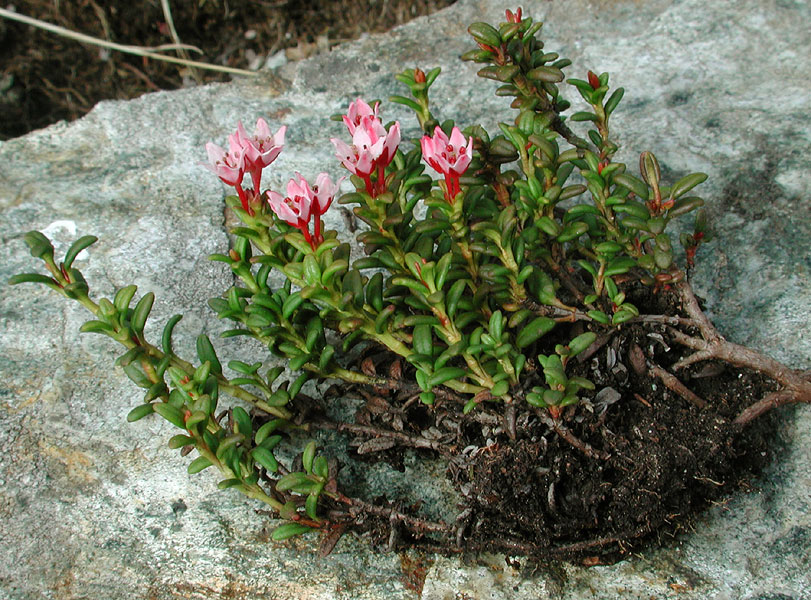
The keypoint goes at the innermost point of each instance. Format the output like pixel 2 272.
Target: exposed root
pixel 773 400
pixel 359 508
pixel 712 346
pixel 569 437
pixel 672 383
pixel 402 439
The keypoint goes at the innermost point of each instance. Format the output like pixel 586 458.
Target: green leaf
pixel 374 292
pixel 76 247
pixel 599 316
pixel 581 342
pixel 308 456
pixel 444 374
pixel 501 388
pixel 292 480
pixel 228 483
pixel 533 331
pixel 321 467
pixel 242 421
pixel 685 205
pixel 312 271
pixel 311 506
pixel 687 183
pixel 573 231
pixel 546 74
pixel 496 325
pixel 422 340
pixel 620 265
pixel 613 101
pixel 141 312
pixel 94 326
pixel 633 208
pixel 291 303
pixel 621 316
pixel 265 430
pixel 198 464
pixel 265 458
pixel 205 352
pixel 637 186
pixel 180 440
pixel 39 245
pixel 170 413
pixel 289 530
pixel 139 412
pixel 123 297
pixel 584 116
pixel 485 34
pixel 33 278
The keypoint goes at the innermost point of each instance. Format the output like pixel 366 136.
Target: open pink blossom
pixel 303 202
pixel 358 110
pixel 324 191
pixel 359 158
pixel 228 166
pixel 373 147
pixel 246 154
pixel 260 149
pixel 450 157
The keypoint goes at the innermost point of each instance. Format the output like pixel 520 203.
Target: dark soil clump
pixel 650 459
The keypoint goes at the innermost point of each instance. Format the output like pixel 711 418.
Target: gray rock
pixel 91 507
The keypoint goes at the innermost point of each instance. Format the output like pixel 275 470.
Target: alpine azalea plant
pixel 517 310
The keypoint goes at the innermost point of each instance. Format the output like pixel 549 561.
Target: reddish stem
pixel 381 179
pixel 367 179
pixel 307 237
pixel 317 229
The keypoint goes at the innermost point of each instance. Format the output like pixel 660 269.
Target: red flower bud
pixel 419 76
pixel 513 17
pixel 594 81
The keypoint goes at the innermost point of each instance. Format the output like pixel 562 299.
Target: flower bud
pixel 594 81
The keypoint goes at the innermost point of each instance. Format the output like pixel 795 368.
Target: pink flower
pixel 246 154
pixel 262 148
pixel 228 166
pixel 360 158
pixel 324 192
pixel 450 157
pixel 358 110
pixel 373 147
pixel 296 207
pixel 259 150
pixel 303 202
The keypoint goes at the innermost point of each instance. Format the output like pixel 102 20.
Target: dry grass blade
pixel 136 50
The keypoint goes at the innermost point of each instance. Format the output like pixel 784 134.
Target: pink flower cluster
pixel 450 157
pixel 245 154
pixel 251 154
pixel 372 146
pixel 303 202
